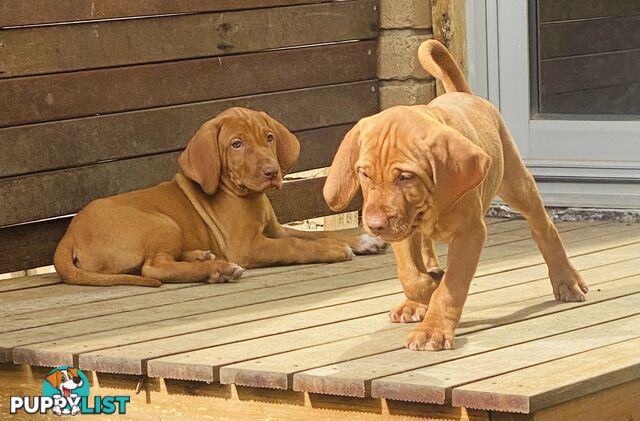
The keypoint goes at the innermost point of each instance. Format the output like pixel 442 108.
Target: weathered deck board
pixel 37 355
pixel 518 243
pixel 35 301
pixel 320 331
pixel 142 326
pixel 601 273
pixel 384 354
pixel 330 379
pixel 554 382
pixel 14 284
pixel 167 294
pixel 132 358
pixel 380 273
pixel 338 289
pixel 354 376
pixel 434 384
pixel 213 316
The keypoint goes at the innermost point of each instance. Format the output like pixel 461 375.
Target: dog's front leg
pixel 266 251
pixel 418 284
pixel 436 331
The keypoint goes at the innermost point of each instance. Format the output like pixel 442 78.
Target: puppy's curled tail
pixel 71 274
pixel 436 59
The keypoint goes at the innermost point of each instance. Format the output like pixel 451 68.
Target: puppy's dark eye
pixel 270 138
pixel 406 176
pixel 236 144
pixel 363 173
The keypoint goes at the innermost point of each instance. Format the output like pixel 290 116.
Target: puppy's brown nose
pixel 377 223
pixel 270 171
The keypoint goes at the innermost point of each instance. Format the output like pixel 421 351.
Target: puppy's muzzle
pixel 378 224
pixel 270 172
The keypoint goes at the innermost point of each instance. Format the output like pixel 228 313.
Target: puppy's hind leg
pixel 163 266
pixel 519 190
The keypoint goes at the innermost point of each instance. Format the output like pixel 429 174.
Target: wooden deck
pixel 314 342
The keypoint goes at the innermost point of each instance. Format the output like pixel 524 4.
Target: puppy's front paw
pixel 430 337
pixel 571 287
pixel 331 250
pixel 408 311
pixel 370 245
pixel 571 292
pixel 227 272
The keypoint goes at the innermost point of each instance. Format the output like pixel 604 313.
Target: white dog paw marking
pixel 370 245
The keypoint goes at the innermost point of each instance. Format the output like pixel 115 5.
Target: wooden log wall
pixel 99 97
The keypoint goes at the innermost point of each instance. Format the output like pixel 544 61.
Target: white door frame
pixel 576 162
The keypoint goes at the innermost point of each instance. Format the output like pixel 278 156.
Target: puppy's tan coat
pixel 429 172
pixel 217 207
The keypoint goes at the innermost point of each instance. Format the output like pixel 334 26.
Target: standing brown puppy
pixel 429 172
pixel 217 207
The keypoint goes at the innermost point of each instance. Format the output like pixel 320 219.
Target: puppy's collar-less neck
pixel 200 202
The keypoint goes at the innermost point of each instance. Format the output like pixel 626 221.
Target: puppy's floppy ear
pixel 200 160
pixel 55 378
pixel 342 182
pixel 458 165
pixel 73 371
pixel 287 144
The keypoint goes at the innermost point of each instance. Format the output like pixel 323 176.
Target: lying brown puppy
pixel 174 231
pixel 429 172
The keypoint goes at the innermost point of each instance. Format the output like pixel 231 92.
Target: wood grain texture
pixel 82 141
pixel 450 28
pixel 44 98
pixel 26 282
pixel 552 10
pixel 364 270
pixel 177 400
pixel 51 49
pixel 31 245
pixel 542 386
pixel 353 377
pixel 132 358
pixel 435 383
pixel 510 264
pixel 192 300
pixel 348 367
pixel 34 12
pixel 278 369
pixel 81 185
pixel 303 200
pixel 616 403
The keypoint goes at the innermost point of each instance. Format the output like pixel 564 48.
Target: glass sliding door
pixel 566 76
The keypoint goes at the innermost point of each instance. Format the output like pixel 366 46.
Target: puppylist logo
pixel 65 391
